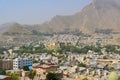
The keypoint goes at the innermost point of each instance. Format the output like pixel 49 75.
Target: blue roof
pixel 3 76
pixel 30 67
pixel 94 60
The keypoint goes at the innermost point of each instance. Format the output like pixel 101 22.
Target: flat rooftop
pixel 3 76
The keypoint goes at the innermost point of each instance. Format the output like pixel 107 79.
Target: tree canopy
pixel 31 74
pixel 52 76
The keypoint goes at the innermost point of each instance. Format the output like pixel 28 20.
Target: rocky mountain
pixel 98 16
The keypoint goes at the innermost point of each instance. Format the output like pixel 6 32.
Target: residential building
pixel 19 63
pixel 6 64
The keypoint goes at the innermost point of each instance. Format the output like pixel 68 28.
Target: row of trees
pixel 80 50
pixel 112 48
pixel 43 49
pixel 31 49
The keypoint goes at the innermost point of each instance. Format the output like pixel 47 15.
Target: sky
pixel 37 11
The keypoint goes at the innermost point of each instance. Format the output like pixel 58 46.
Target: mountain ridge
pixel 98 15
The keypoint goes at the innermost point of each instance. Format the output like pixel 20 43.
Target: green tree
pixel 2 49
pixel 52 76
pixel 111 69
pixel 26 68
pixel 2 72
pixel 14 76
pixel 84 58
pixel 105 57
pixel 35 61
pixel 85 79
pixel 82 65
pixel 110 48
pixel 31 74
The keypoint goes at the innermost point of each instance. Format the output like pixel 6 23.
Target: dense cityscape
pixel 61 57
pixel 44 40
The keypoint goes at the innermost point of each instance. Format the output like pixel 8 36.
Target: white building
pixel 19 63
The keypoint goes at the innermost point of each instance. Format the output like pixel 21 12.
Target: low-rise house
pixel 43 69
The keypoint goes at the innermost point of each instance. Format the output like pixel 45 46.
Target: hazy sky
pixel 37 11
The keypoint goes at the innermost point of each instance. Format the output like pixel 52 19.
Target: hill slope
pixel 98 15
